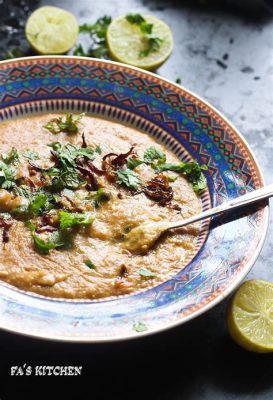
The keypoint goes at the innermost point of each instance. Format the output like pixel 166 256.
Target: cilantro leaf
pixel 31 155
pixel 135 18
pixel 43 247
pixel 40 203
pixel 90 264
pixel 69 220
pixel 97 31
pixel 132 163
pixel 192 170
pixel 128 178
pixel 12 157
pixel 153 153
pixel 140 326
pixel 153 42
pixel 101 196
pixel 146 272
pixel 68 125
pixel 7 176
pixel 66 174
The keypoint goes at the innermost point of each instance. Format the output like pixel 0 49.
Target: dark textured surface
pixel 224 53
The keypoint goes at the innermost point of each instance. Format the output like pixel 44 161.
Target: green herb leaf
pixel 135 18
pixel 29 224
pixel 69 220
pixel 12 157
pixel 90 264
pixel 192 170
pixel 14 53
pixel 66 174
pixel 153 41
pixel 132 163
pixel 140 326
pixel 43 247
pixel 146 272
pixel 172 178
pixel 128 178
pixel 56 239
pixel 100 197
pixel 30 155
pixel 68 125
pixel 7 176
pixel 41 203
pixel 178 80
pixel 97 31
pixel 153 153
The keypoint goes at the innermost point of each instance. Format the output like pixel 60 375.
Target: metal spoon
pixel 141 238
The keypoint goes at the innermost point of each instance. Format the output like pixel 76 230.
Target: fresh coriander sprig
pixel 153 41
pixel 69 124
pixel 97 31
pixel 128 178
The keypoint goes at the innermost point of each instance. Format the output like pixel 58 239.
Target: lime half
pixel 127 42
pixel 250 316
pixel 51 30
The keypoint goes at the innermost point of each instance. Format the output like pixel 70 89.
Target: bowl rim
pixel 226 291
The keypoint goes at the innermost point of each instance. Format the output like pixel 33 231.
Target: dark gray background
pixel 223 52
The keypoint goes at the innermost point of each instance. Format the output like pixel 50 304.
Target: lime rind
pixel 250 316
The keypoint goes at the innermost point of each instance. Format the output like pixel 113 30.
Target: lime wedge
pixel 250 316
pixel 127 42
pixel 51 30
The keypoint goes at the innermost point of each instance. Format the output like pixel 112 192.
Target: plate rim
pixel 226 291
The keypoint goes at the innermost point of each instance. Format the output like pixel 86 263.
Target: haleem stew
pixel 71 188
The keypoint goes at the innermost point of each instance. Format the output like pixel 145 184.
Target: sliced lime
pixel 127 42
pixel 51 30
pixel 250 316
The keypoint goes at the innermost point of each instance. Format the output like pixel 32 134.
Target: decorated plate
pixel 192 129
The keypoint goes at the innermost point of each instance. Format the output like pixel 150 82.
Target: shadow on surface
pixel 181 363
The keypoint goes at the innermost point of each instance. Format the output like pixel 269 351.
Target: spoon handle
pixel 249 198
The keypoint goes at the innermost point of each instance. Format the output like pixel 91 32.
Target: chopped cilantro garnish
pixel 132 163
pixel 152 154
pixel 12 157
pixel 101 196
pixel 128 178
pixel 66 174
pixel 14 53
pixel 153 41
pixel 178 80
pixel 7 176
pixel 97 31
pixel 43 246
pixel 192 170
pixel 89 264
pixel 140 326
pixel 41 203
pixel 68 125
pixel 69 220
pixel 146 272
pixel 55 240
pixel 171 178
pixel 31 155
pixel 135 18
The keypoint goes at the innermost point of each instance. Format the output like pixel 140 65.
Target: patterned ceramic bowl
pixel 192 129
